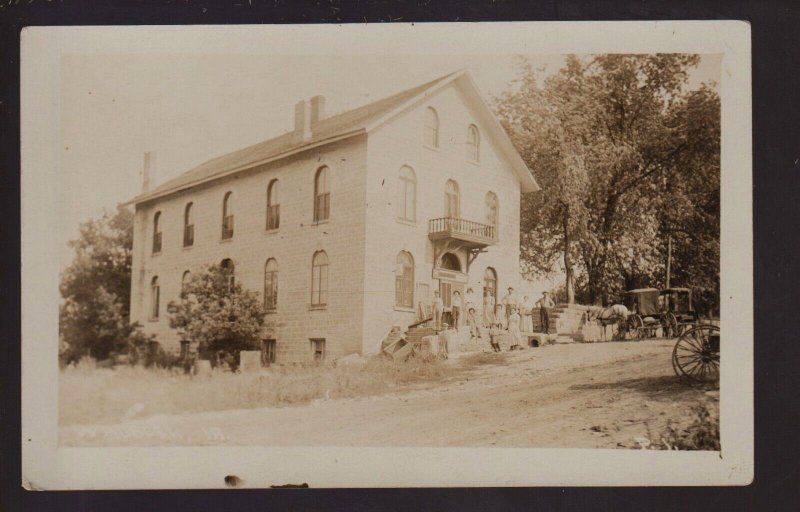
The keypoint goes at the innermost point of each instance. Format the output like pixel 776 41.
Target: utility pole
pixel 669 256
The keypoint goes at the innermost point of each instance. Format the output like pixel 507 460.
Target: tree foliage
pixel 94 317
pixel 217 313
pixel 624 156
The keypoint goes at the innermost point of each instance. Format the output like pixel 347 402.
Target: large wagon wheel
pixel 695 356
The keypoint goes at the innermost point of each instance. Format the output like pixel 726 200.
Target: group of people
pixel 509 314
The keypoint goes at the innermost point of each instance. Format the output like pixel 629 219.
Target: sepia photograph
pixel 386 248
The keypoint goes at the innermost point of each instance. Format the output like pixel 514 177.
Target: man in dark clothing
pixel 545 303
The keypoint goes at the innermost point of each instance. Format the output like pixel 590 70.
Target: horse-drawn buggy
pixel 680 313
pixel 646 314
pixel 644 311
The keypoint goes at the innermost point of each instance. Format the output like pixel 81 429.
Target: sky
pixel 190 108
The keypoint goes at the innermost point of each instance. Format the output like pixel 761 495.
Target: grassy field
pixel 92 395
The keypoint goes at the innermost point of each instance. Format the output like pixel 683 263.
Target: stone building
pixel 345 225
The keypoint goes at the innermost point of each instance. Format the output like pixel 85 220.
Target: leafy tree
pixel 217 313
pixel 94 318
pixel 617 142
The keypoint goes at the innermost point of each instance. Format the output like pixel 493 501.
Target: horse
pixel 608 316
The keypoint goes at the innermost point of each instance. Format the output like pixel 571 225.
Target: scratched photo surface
pixel 508 250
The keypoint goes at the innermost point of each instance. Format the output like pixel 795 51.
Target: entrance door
pixel 446 293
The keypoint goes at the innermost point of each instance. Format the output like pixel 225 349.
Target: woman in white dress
pixel 488 308
pixel 513 328
pixel 525 312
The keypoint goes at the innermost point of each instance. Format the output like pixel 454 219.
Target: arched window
pixel 271 285
pixel 451 262
pixel 273 206
pixel 492 214
pixel 157 233
pixel 473 143
pixel 228 270
pixel 431 128
pixel 452 207
pixel 404 280
pixel 184 282
pixel 322 195
pixel 319 279
pixel 227 216
pixel 188 226
pixel 407 198
pixel 155 298
pixel 490 283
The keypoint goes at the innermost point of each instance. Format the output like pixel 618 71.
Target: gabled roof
pixel 327 130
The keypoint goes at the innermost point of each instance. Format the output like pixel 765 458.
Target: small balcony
pixel 470 233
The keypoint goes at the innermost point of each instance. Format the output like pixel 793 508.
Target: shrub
pixel 218 314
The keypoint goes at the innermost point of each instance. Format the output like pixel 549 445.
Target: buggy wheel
pixel 695 356
pixel 670 325
pixel 636 328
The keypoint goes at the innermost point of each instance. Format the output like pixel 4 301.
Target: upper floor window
pixel 404 280
pixel 431 128
pixel 271 285
pixel 319 279
pixel 157 233
pixel 452 206
pixel 227 216
pixel 322 194
pixel 491 213
pixel 273 206
pixel 155 297
pixel 407 200
pixel 228 270
pixel 473 143
pixel 188 226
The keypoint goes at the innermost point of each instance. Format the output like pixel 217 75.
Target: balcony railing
pixel 461 229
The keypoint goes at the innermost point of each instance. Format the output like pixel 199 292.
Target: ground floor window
pixel 404 280
pixel 268 352
pixel 318 348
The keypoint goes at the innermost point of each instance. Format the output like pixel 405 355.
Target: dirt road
pixel 608 395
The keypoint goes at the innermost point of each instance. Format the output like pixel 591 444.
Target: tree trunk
pixel 570 274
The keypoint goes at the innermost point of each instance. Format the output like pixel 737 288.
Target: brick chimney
pixel 317 109
pixel 302 119
pixel 149 166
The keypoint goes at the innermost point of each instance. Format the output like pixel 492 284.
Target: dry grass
pixel 91 395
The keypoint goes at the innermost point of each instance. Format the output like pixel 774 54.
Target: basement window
pixel 318 349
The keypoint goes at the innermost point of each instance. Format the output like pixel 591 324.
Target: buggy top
pixel 680 299
pixel 643 301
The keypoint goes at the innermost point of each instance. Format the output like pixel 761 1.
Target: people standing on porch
pixel 544 304
pixel 526 312
pixel 488 308
pixel 513 329
pixel 438 309
pixel 500 318
pixel 455 306
pixel 509 301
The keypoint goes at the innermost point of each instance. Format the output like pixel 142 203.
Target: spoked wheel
pixel 670 325
pixel 696 354
pixel 636 327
